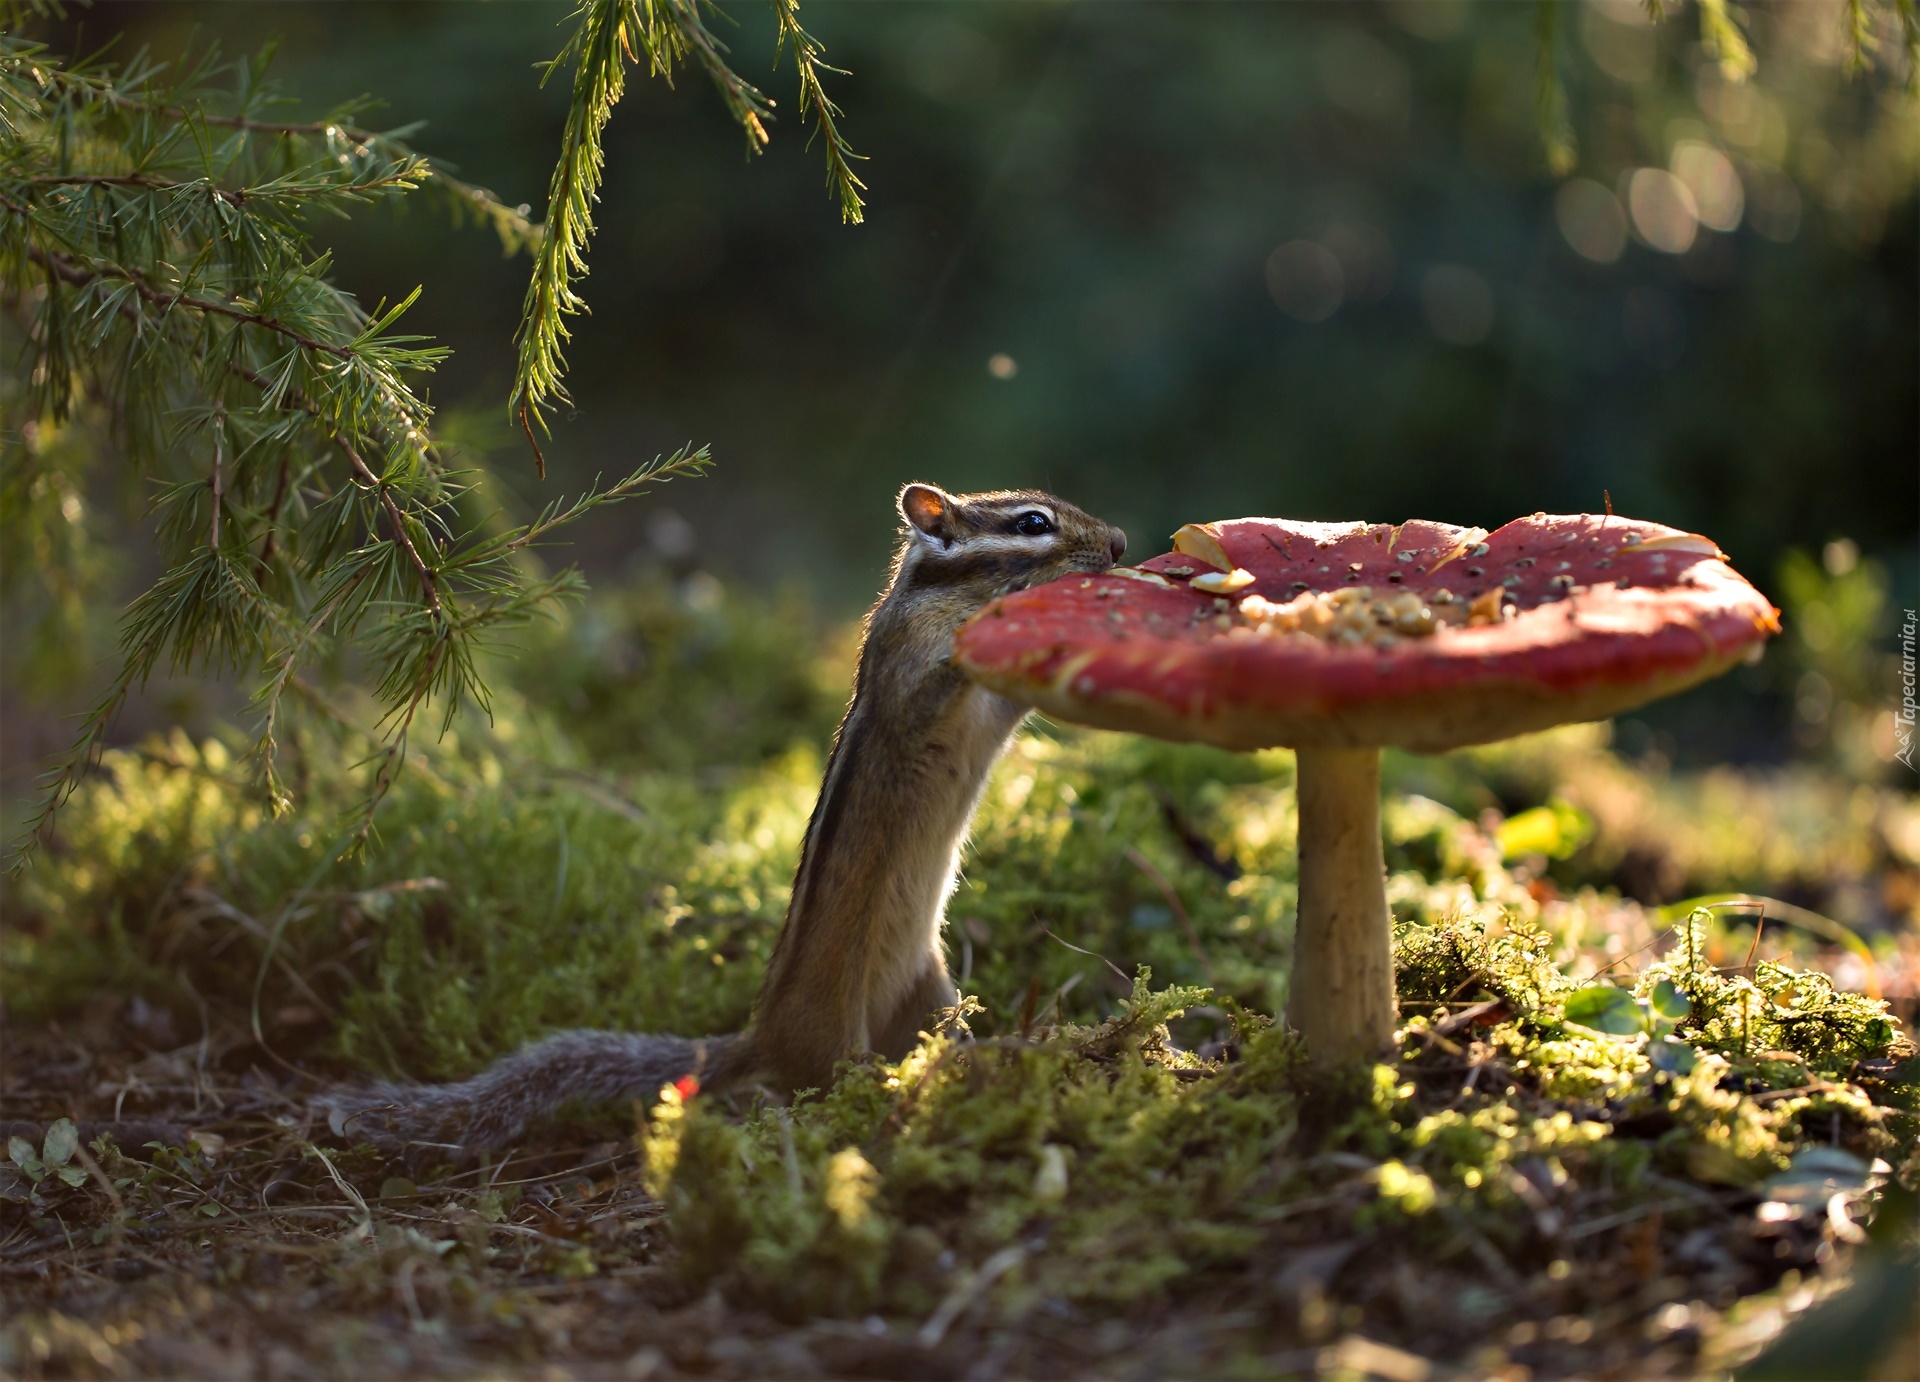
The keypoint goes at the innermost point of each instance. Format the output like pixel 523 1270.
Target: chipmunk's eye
pixel 1033 523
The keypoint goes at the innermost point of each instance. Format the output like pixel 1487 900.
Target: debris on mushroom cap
pixel 1368 634
pixel 1351 615
pixel 1199 540
pixel 1680 542
pixel 1223 582
pixel 1471 542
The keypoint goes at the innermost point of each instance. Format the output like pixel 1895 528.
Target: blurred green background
pixel 1180 261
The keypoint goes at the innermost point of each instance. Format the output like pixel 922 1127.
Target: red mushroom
pixel 1337 639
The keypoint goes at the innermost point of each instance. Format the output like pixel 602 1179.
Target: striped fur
pixel 859 964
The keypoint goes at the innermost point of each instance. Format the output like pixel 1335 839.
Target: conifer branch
pixel 810 59
pixel 166 281
pixel 133 180
pixel 674 32
pixel 79 276
pixel 1720 35
pixel 517 233
pixel 1725 43
pixel 598 80
pixel 611 34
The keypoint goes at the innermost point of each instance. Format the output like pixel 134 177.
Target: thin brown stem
pixel 146 180
pixel 399 523
pixel 273 518
pixel 217 483
pixel 1759 925
pixel 539 456
pixel 368 480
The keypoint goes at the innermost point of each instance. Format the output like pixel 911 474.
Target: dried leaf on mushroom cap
pixel 1199 540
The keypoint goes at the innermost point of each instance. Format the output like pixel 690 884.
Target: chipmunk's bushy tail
pixel 499 1104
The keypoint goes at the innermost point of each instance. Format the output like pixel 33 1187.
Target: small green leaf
pixel 1604 1008
pixel 63 1139
pixel 1816 1176
pixel 1670 1001
pixel 212 1211
pixel 1673 1057
pixel 76 1176
pixel 20 1153
pixel 397 1188
pixel 1831 1161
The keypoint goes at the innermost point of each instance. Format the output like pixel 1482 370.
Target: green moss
pixel 1097 1164
pixel 491 911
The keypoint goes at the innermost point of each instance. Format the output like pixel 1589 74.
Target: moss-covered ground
pixel 1619 1138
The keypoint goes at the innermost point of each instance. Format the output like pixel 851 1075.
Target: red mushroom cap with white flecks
pixel 1258 632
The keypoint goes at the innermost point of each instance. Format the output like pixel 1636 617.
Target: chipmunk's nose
pixel 1117 544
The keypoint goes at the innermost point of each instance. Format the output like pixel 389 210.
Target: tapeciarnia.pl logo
pixel 1903 715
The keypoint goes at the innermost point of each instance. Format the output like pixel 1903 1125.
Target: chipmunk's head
pixel 995 543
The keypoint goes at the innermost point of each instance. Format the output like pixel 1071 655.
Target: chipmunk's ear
pixel 929 510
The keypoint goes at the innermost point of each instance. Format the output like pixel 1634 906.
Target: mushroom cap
pixel 1549 620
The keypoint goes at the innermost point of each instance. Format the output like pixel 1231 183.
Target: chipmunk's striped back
pixel 859 965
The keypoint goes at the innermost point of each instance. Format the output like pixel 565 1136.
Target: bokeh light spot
pixel 1663 210
pixel 1591 220
pixel 1709 175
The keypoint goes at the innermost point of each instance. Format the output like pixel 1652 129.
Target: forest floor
pixel 1624 1135
pixel 265 1252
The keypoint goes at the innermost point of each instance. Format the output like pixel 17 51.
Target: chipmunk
pixel 858 965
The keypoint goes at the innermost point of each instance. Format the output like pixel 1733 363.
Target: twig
pixel 218 483
pixel 400 533
pixel 967 1291
pixel 1638 950
pixel 79 276
pixel 293 398
pixel 411 167
pixel 273 520
pixel 146 180
pixel 1759 925
pixel 366 1215
pixel 1468 1017
pixel 1091 954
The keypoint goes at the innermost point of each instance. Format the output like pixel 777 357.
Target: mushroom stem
pixel 1342 992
